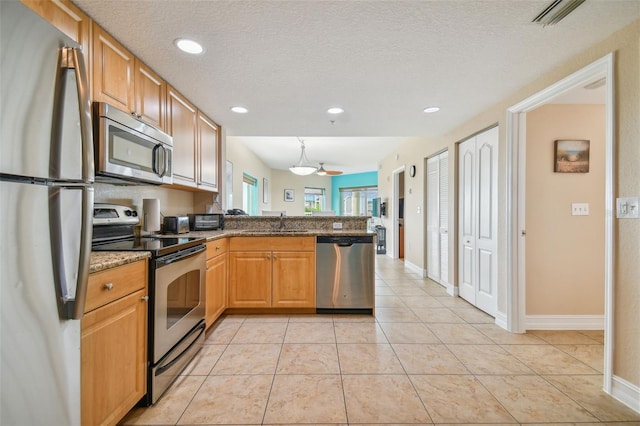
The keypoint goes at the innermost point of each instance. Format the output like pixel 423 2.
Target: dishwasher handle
pixel 345 241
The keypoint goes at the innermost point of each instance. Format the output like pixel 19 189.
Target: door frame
pixel 396 210
pixel 516 172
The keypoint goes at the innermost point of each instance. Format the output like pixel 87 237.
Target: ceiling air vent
pixel 556 11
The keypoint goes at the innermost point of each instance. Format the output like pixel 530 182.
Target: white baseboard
pixel 625 392
pixel 414 268
pixel 564 322
pixel 452 290
pixel 501 320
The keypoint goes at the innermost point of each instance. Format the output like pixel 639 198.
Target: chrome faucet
pixel 281 221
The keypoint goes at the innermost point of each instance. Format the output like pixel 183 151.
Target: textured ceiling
pixel 382 61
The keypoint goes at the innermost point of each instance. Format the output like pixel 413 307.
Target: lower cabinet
pixel 283 277
pixel 114 343
pixel 216 294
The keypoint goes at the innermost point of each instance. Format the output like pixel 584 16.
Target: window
pixel 358 201
pixel 314 200
pixel 249 194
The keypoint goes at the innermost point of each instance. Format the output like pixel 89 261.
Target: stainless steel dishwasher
pixel 345 275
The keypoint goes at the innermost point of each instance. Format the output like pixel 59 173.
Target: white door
pixel 438 218
pixel 433 219
pixel 478 208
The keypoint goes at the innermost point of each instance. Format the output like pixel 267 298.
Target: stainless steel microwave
pixel 128 150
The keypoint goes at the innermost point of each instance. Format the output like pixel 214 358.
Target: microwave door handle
pixel 71 59
pixel 159 155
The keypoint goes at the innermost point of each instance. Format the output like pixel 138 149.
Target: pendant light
pixel 302 168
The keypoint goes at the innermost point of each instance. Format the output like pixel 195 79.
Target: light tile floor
pixel 425 358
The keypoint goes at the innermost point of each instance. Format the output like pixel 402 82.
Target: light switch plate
pixel 627 208
pixel 580 209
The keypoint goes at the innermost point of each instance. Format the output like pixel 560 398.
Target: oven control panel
pixel 114 214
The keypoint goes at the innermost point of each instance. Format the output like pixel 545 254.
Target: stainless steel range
pixel 176 288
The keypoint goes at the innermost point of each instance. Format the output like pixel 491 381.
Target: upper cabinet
pixel 122 80
pixel 182 124
pixel 150 94
pixel 209 146
pixel 65 16
pixel 113 72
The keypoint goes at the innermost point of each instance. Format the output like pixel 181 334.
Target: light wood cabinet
pixel 114 344
pixel 113 71
pixel 65 16
pixel 181 124
pixel 122 80
pixel 277 272
pixel 150 92
pixel 216 280
pixel 209 153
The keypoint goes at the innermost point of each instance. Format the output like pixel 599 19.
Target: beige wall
pixel 564 253
pixel 626 45
pixel 245 161
pixel 286 180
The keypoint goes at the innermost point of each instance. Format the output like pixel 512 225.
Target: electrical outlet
pixel 580 209
pixel 627 208
pixel 337 225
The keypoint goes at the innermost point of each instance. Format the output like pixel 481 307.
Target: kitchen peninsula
pixel 260 264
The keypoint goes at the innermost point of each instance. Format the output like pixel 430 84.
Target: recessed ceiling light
pixel 239 109
pixel 188 46
pixel 429 110
pixel 335 110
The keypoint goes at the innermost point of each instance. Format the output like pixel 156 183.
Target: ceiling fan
pixel 323 172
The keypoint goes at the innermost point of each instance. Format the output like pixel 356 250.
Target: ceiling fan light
pixel 321 171
pixel 302 170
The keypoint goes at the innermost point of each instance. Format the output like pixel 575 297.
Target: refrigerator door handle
pixel 72 59
pixel 71 291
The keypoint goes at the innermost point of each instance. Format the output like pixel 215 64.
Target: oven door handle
pixel 200 329
pixel 181 255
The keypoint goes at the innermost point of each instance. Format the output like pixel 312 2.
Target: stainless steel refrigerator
pixel 46 201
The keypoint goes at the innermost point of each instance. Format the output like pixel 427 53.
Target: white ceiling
pixel 382 61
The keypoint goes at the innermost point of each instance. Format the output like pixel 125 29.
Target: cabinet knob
pixel 108 286
pixel 218 247
pixel 145 298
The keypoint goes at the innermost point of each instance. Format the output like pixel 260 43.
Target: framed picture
pixel 265 190
pixel 571 156
pixel 289 194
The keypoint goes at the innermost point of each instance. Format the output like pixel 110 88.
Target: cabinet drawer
pixel 272 244
pixel 112 284
pixel 217 247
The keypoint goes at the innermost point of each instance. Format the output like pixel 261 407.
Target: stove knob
pixel 127 212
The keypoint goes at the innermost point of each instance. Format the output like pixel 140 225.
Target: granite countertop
pixel 214 235
pixel 111 259
pixel 101 260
